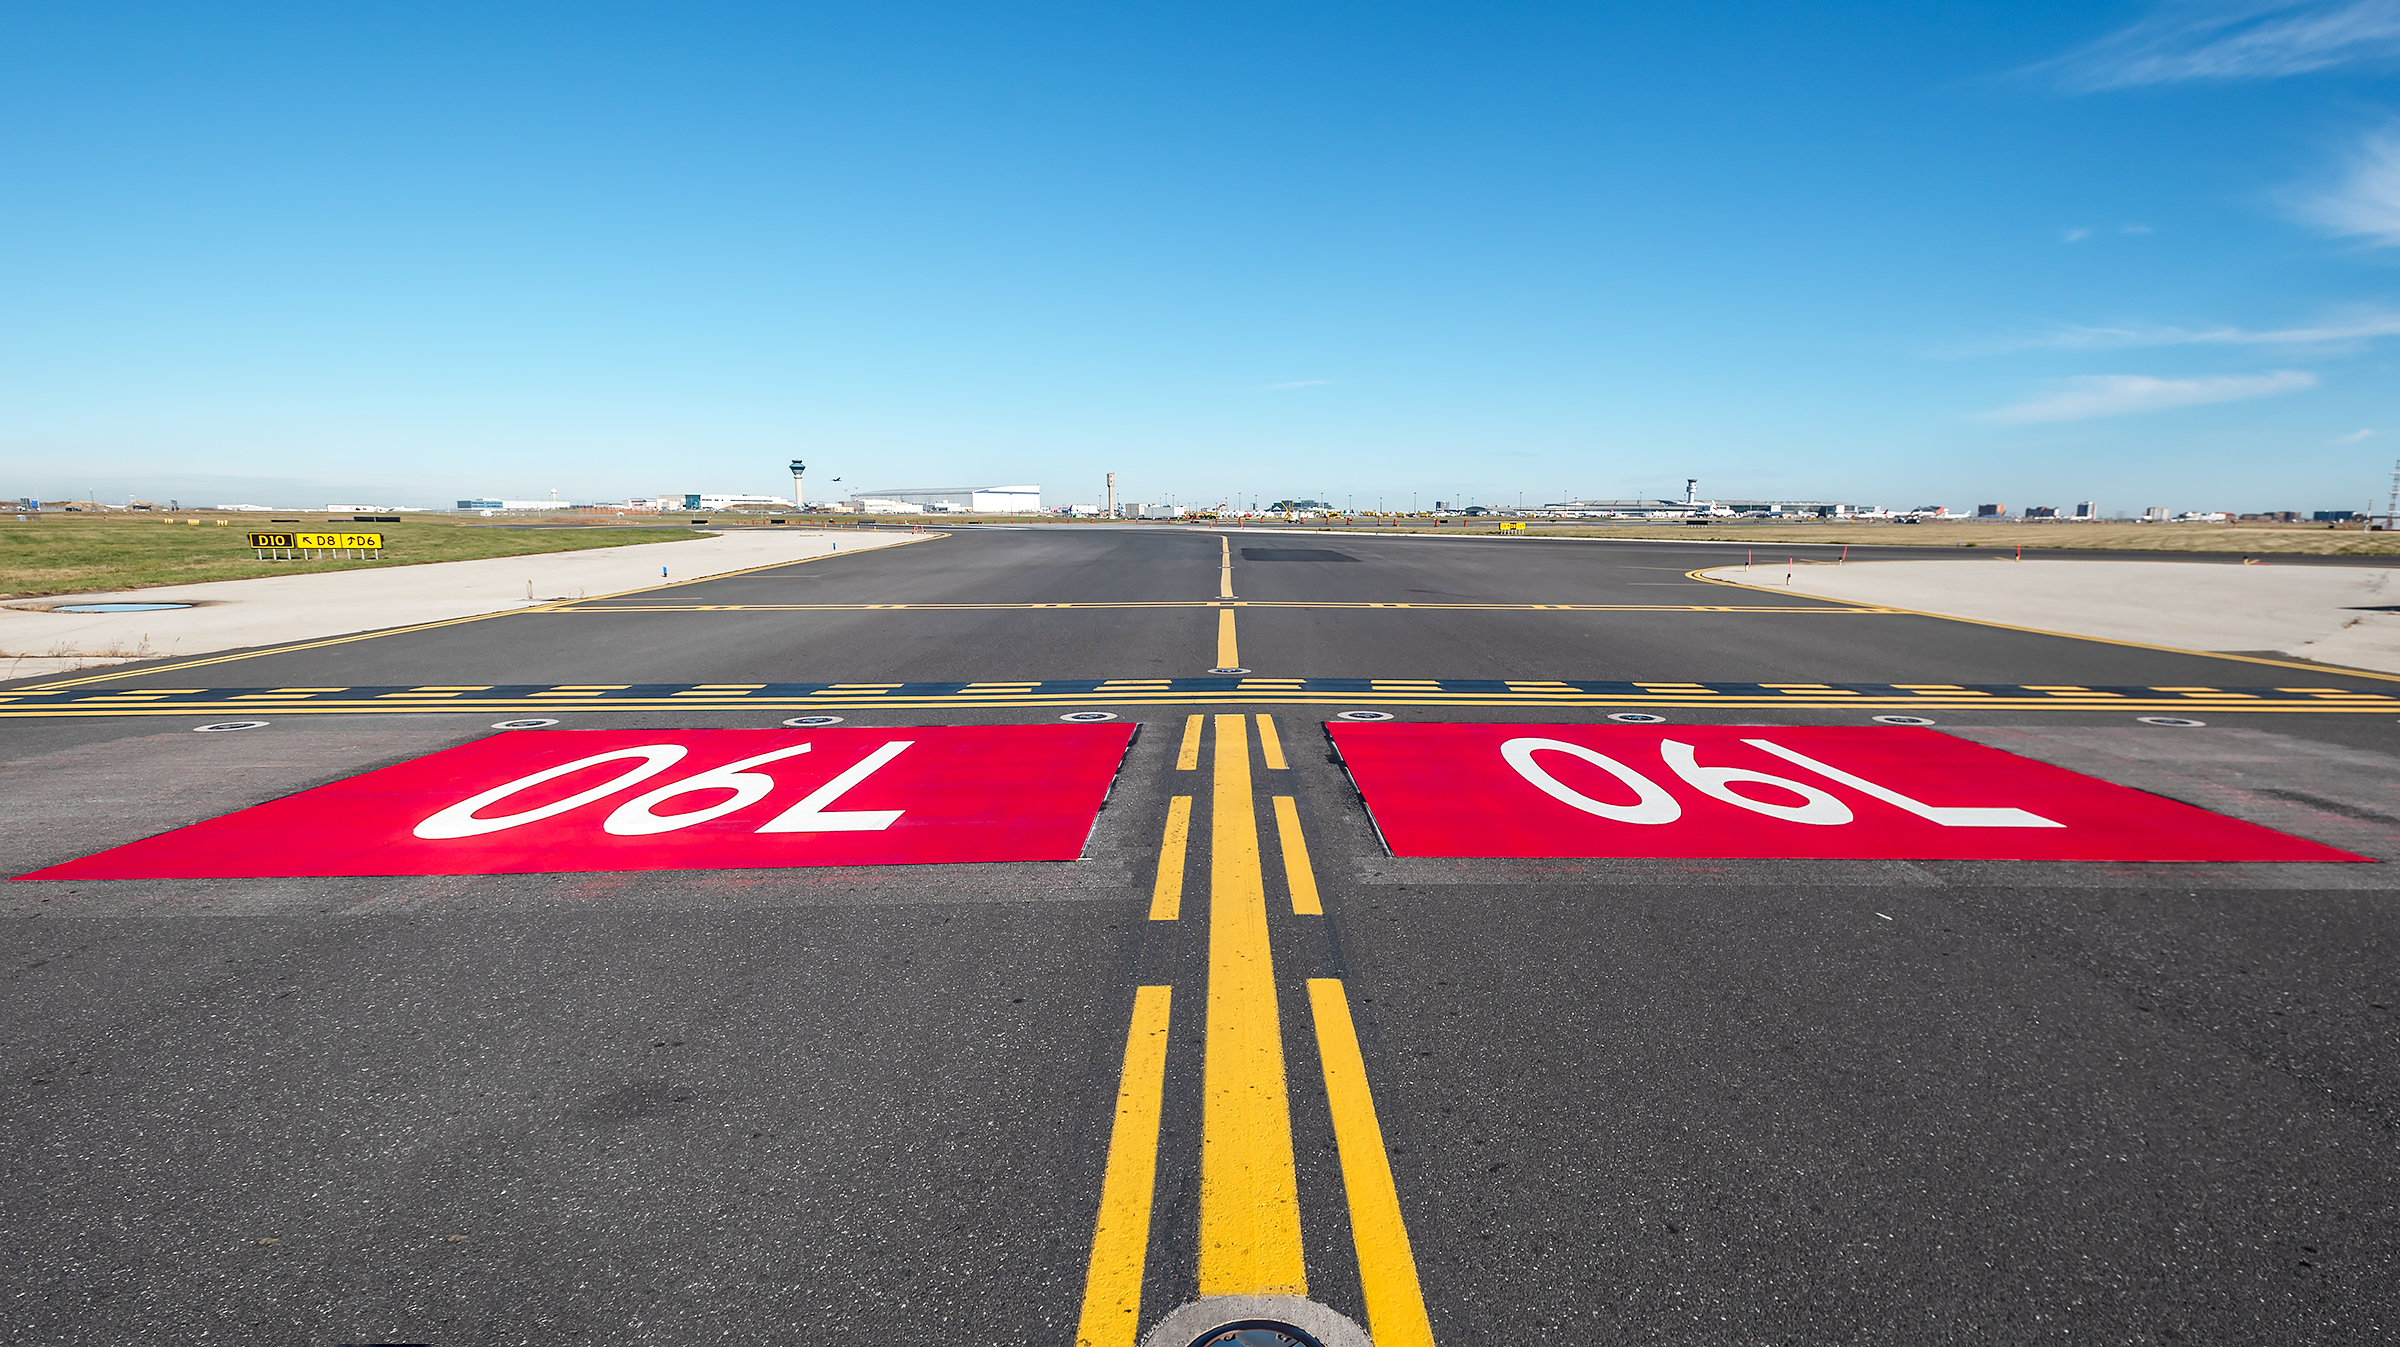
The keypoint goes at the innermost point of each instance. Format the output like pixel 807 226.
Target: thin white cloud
pixel 2366 203
pixel 2077 235
pixel 2082 338
pixel 2091 395
pixel 2135 229
pixel 2233 40
pixel 2352 438
pixel 1301 383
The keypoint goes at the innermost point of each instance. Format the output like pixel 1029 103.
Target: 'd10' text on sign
pixel 368 541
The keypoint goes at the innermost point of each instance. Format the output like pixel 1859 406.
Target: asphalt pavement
pixel 1240 1053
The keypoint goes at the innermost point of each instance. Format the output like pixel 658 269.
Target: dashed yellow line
pixel 1270 744
pixel 1298 875
pixel 1387 1269
pixel 1166 891
pixel 1112 1283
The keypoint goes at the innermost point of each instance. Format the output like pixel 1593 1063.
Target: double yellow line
pixel 1249 1236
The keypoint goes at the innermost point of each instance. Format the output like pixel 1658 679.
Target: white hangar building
pixel 978 499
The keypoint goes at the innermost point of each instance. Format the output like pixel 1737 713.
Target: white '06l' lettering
pixel 1653 804
pixel 1717 782
pixel 459 819
pixel 639 816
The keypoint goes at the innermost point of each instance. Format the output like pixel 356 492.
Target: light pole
pixel 799 474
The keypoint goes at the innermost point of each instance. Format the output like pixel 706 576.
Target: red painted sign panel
pixel 1723 791
pixel 665 800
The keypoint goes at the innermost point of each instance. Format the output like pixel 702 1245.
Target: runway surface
pixel 1241 1047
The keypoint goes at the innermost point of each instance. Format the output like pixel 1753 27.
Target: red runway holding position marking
pixel 1727 791
pixel 665 800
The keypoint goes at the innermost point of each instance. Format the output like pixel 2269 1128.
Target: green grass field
pixel 81 554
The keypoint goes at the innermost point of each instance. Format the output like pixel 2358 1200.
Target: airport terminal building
pixel 958 499
pixel 1679 509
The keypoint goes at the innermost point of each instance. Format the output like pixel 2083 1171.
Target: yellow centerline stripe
pixel 1229 653
pixel 1112 1283
pixel 1225 569
pixel 1187 757
pixel 1298 875
pixel 1387 1270
pixel 1166 892
pixel 1249 1190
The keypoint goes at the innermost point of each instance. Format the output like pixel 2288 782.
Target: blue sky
pixel 1893 253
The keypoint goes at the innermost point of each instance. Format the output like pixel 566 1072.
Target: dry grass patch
pixel 81 554
pixel 2257 539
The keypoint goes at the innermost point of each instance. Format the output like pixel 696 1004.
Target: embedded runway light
pixel 1257 1321
pixel 812 722
pixel 1228 669
pixel 1089 715
pixel 1255 1333
pixel 534 724
pixel 1639 718
pixel 2177 721
pixel 224 725
pixel 1902 720
pixel 1364 715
